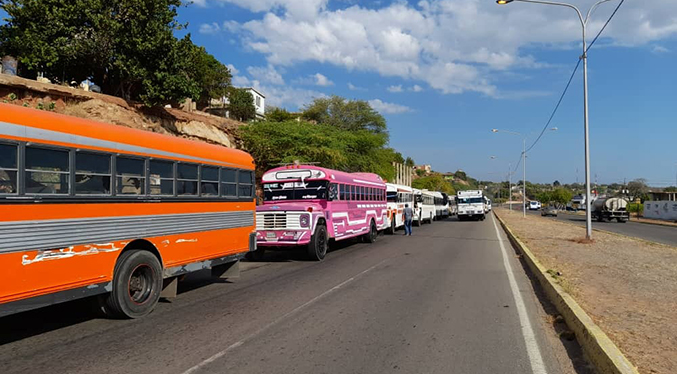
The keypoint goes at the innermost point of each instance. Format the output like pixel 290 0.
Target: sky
pixel 446 72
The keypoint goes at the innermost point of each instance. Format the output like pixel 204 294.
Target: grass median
pixel 627 286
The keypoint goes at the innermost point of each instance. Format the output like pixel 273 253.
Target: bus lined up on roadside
pixel 308 206
pixel 398 196
pixel 424 208
pixel 92 209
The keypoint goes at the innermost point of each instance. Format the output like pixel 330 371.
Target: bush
pixel 637 208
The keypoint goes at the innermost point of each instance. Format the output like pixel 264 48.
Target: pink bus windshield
pixel 288 191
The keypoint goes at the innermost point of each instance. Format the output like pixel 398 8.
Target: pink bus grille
pixel 275 221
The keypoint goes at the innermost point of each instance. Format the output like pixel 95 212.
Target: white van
pixel 534 205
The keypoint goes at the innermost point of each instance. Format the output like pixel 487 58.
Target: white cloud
pixel 416 88
pixel 321 80
pixel 209 28
pixel 276 94
pixel 395 89
pixel 266 74
pixel 353 87
pixel 388 108
pixel 233 69
pixel 658 49
pixel 453 46
pixel 300 9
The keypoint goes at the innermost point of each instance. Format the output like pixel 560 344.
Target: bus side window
pixel 245 183
pixel 8 169
pixel 209 181
pixel 161 178
pixel 228 183
pixel 130 176
pixel 186 179
pixel 92 173
pixel 47 171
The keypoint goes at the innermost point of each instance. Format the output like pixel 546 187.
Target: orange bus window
pixel 46 171
pixel 246 181
pixel 92 174
pixel 186 180
pixel 228 182
pixel 8 169
pixel 209 183
pixel 161 178
pixel 130 176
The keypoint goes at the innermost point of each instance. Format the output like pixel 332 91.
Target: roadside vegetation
pixel 127 48
pixel 334 132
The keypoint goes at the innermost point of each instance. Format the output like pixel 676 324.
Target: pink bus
pixel 308 206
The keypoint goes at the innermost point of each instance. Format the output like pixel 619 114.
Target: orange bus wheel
pixel 137 283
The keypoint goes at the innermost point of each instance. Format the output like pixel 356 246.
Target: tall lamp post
pixel 524 165
pixel 584 23
pixel 509 177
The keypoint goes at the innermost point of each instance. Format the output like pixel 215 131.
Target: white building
pixel 259 102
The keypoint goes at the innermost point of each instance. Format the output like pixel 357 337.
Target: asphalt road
pixel 440 301
pixel 654 233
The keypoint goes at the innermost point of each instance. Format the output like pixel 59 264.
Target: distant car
pixel 549 211
pixel 534 205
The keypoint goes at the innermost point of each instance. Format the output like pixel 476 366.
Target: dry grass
pixel 628 286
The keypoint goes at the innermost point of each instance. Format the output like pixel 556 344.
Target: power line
pixel 552 115
pixel 605 25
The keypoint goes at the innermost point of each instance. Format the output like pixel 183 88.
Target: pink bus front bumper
pixel 282 238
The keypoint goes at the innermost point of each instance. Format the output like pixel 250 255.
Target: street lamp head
pixel 493 157
pixel 494 130
pixel 554 129
pixel 503 2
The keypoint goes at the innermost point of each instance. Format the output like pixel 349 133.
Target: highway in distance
pixel 653 233
pixel 452 298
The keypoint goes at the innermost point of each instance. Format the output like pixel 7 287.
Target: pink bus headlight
pixel 304 221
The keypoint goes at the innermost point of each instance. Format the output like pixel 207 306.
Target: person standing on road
pixel 408 216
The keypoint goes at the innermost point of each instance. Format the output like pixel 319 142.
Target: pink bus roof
pixel 310 172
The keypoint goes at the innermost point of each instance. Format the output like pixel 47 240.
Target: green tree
pixel 127 47
pixel 272 143
pixel 638 189
pixel 460 174
pixel 556 184
pixel 274 114
pixel 409 162
pixel 241 106
pixel 434 182
pixel 211 76
pixel 345 114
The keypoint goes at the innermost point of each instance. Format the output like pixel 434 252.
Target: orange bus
pixel 88 208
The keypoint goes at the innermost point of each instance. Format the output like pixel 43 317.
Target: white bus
pixel 424 210
pixel 487 205
pixel 397 196
pixel 441 205
pixel 470 205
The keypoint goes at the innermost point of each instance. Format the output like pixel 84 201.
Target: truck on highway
pixel 608 209
pixel 470 205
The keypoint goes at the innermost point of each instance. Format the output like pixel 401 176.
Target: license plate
pixel 271 235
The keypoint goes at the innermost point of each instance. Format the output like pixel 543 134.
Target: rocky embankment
pixel 194 125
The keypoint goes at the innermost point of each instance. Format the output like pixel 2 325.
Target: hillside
pixel 60 99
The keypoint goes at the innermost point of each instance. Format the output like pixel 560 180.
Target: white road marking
pixel 534 353
pixel 222 353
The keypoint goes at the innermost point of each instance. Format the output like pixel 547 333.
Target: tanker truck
pixel 610 208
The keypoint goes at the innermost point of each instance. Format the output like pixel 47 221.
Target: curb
pixel 600 350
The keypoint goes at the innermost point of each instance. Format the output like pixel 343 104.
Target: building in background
pixel 426 168
pixel 259 102
pixel 219 107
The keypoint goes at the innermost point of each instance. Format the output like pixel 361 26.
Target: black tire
pixel 317 248
pixel 483 217
pixel 372 234
pixel 137 283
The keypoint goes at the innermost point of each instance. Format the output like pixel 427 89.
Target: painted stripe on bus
pixel 50 234
pixel 19 131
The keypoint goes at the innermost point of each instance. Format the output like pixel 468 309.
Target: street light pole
pixel 584 57
pixel 510 187
pixel 524 177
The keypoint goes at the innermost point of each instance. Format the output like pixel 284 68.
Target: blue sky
pixel 445 72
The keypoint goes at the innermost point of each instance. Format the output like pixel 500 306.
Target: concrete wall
pixel 666 210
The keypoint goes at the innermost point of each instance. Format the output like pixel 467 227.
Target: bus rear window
pixel 8 169
pixel 295 191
